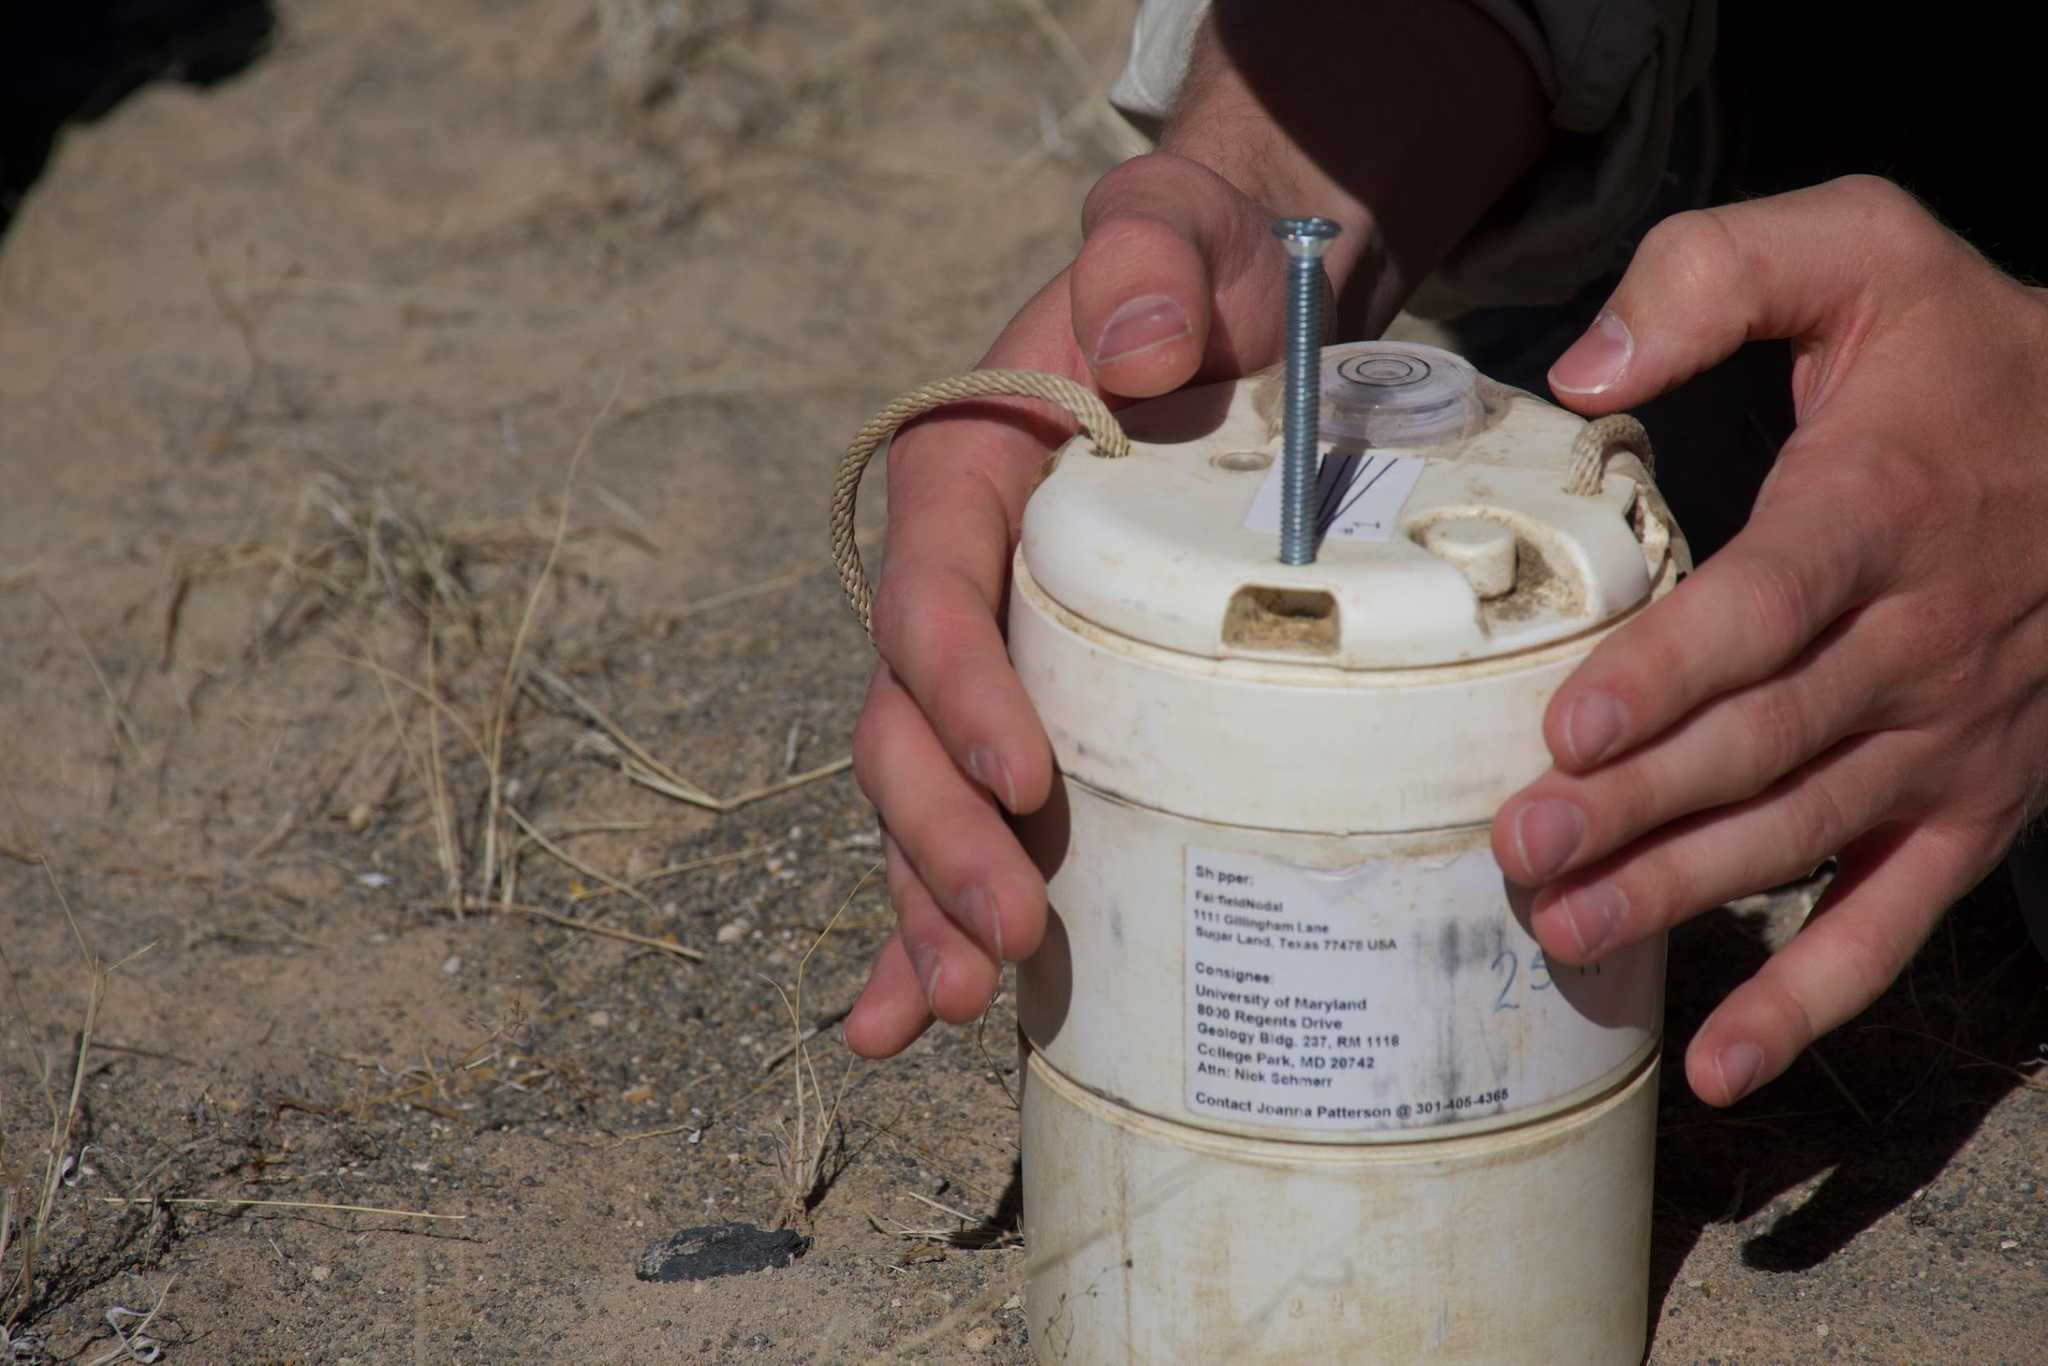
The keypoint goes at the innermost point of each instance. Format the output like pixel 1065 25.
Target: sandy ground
pixel 353 310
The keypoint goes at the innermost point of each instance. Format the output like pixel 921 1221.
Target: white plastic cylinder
pixel 1300 1085
pixel 1156 1242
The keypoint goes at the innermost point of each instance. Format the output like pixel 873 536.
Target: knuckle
pixel 1869 958
pixel 1118 185
pixel 1780 602
pixel 1895 485
pixel 1121 232
pixel 870 748
pixel 1640 663
pixel 1921 251
pixel 1025 931
pixel 951 699
pixel 1152 178
pixel 1696 258
pixel 1634 796
pixel 1864 512
pixel 1877 200
pixel 894 611
pixel 1789 1020
pixel 1656 892
pixel 1778 736
pixel 1661 654
pixel 1942 637
pixel 900 880
pixel 923 618
pixel 1817 823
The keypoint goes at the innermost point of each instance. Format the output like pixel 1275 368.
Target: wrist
pixel 1405 123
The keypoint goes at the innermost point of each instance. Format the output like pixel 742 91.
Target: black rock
pixel 728 1249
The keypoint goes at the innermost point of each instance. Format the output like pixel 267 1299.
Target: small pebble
pixel 359 817
pixel 981 1339
pixel 453 965
pixel 731 932
pixel 321 1273
pixel 600 1019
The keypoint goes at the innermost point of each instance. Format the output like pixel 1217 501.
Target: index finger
pixel 1803 560
pixel 958 481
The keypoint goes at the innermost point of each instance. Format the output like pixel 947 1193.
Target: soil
pixel 298 345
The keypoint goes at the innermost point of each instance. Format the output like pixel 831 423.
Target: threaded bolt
pixel 1306 240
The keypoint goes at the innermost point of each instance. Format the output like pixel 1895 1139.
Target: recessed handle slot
pixel 1294 620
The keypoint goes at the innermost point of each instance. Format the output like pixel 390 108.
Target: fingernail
pixel 1739 1064
pixel 1595 362
pixel 1593 913
pixel 978 909
pixel 1547 832
pixel 1593 727
pixel 991 772
pixel 925 959
pixel 1146 321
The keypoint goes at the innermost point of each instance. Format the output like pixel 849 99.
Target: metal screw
pixel 1306 240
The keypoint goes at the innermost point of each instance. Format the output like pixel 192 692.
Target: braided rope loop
pixel 1601 438
pixel 1079 403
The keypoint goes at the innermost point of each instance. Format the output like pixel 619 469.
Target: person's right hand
pixel 1179 278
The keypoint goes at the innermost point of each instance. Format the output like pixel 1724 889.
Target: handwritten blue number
pixel 1501 1002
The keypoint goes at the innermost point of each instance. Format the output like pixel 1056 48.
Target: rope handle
pixel 1602 437
pixel 1080 404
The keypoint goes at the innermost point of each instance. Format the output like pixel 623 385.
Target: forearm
pixel 1403 121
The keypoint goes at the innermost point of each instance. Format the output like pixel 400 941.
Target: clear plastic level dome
pixel 1404 394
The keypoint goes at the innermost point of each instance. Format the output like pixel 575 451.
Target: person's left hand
pixel 1863 671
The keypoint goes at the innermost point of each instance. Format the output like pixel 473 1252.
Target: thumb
pixel 1166 238
pixel 1798 265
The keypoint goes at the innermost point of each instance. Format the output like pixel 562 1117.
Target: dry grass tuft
pixel 808 1140
pixel 502 1060
pixel 508 689
pixel 360 546
pixel 29 1212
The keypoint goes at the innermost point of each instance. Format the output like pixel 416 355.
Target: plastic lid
pixel 1447 533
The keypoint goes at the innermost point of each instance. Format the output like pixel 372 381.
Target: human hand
pixel 1863 671
pixel 1179 277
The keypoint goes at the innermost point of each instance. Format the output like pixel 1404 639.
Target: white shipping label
pixel 1396 994
pixel 1358 497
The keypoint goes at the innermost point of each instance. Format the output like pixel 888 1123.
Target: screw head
pixel 1308 237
